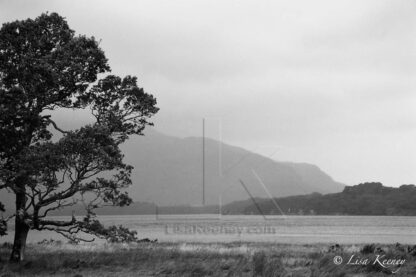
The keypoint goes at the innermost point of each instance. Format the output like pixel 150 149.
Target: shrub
pixel 368 249
pixel 259 263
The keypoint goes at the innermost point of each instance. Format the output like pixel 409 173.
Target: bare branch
pixel 69 234
pixel 9 217
pixel 60 205
pixel 47 117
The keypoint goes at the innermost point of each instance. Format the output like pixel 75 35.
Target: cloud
pixel 332 82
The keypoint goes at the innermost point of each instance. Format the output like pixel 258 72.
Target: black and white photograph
pixel 268 138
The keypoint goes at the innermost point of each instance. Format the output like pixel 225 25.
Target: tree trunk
pixel 21 229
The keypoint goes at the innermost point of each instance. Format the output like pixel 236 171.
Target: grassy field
pixel 196 259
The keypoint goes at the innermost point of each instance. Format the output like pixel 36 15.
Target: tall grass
pixel 185 259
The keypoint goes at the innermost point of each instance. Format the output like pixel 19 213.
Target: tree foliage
pixel 3 223
pixel 44 66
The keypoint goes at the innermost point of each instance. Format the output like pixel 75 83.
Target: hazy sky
pixel 326 82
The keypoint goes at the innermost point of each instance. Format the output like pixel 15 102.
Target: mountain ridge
pixel 168 172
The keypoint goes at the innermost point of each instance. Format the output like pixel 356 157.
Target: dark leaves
pixel 121 105
pixel 45 58
pixel 113 233
pixel 44 66
pixel 3 223
pixel 3 227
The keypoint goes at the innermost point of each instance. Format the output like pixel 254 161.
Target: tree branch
pixel 47 117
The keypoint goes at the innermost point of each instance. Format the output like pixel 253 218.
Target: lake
pixel 253 228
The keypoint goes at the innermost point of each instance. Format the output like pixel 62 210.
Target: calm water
pixel 290 229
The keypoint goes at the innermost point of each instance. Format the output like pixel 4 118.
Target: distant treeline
pixel 139 208
pixel 362 199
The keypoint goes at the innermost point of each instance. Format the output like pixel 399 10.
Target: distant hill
pixel 362 199
pixel 168 172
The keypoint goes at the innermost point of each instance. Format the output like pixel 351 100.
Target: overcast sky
pixel 325 82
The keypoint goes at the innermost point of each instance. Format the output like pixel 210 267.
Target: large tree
pixel 44 66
